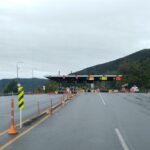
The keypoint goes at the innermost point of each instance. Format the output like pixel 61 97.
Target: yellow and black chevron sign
pixel 20 98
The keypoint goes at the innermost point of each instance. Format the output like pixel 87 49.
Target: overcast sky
pixel 69 35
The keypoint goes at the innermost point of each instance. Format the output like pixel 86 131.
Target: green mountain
pixel 114 66
pixel 28 84
pixel 135 68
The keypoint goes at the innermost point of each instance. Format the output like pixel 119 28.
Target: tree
pixel 136 73
pixel 11 87
pixel 52 86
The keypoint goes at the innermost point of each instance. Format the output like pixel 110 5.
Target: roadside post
pixel 20 102
pixel 12 130
pixel 62 101
pixel 38 107
pixel 51 106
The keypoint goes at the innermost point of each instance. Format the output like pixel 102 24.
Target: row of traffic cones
pixel 12 130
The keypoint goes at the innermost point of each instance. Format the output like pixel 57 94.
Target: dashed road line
pixel 103 101
pixel 121 139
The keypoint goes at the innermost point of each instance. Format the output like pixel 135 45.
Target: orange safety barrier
pixel 12 130
pixel 62 101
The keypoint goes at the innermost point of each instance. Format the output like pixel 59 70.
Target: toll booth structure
pixel 87 79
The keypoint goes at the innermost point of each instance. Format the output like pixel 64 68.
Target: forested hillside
pixel 135 68
pixel 28 84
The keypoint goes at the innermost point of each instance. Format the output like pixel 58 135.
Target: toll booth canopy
pixel 84 78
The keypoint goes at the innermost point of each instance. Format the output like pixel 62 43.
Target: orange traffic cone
pixel 12 129
pixel 62 102
pixel 50 110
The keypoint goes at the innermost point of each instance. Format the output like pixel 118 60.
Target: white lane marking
pixel 103 101
pixel 120 137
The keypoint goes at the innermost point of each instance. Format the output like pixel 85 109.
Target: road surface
pixel 94 122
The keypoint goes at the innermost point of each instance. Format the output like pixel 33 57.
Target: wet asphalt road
pixel 30 110
pixel 94 122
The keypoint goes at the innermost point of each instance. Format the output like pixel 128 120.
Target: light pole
pixel 33 69
pixel 17 65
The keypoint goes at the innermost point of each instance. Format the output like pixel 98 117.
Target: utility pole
pixel 33 69
pixel 17 65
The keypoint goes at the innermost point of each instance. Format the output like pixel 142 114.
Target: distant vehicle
pixel 103 90
pixel 73 90
pixel 134 89
pixel 61 90
pixel 88 90
pixel 116 91
pixel 124 88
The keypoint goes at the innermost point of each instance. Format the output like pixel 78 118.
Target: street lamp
pixel 33 69
pixel 17 65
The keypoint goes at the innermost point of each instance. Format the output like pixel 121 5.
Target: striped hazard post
pixel 20 98
pixel 20 102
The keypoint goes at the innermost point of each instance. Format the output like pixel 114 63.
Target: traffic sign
pixel 91 78
pixel 103 78
pixel 118 78
pixel 20 98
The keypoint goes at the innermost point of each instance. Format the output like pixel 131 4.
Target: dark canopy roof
pixel 84 78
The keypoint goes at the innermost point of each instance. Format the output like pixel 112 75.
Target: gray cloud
pixel 69 34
